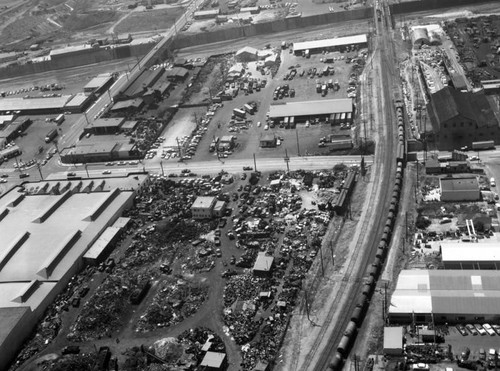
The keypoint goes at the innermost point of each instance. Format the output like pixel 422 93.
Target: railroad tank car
pixel 344 345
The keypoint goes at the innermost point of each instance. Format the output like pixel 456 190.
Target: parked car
pixel 472 329
pixel 480 329
pixel 462 330
pixel 489 329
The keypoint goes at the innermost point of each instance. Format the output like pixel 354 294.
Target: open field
pixel 149 20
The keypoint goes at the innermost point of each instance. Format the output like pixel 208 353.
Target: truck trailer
pixel 487 144
pixel 50 135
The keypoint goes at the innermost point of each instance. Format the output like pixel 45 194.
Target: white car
pixel 489 329
pixel 480 329
pixel 266 127
pixel 106 172
pixel 258 124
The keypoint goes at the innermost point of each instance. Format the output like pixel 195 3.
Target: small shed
pixel 214 361
pixel 268 141
pixel 263 265
pixel 393 341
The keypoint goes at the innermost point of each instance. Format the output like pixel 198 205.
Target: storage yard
pixel 169 260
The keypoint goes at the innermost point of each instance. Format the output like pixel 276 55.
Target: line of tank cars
pixel 373 270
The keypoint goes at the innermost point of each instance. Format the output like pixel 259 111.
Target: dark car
pixel 228 273
pixel 222 223
pixel 23 175
pixel 462 330
pixel 71 174
pixel 71 349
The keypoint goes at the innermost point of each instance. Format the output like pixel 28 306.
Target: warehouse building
pixel 206 14
pixel 459 189
pixel 446 296
pixel 45 232
pixel 98 84
pixel 79 103
pixel 90 151
pixel 419 37
pixel 461 118
pixel 479 255
pixel 137 87
pixel 177 74
pixel 128 106
pixel 336 44
pixel 267 141
pixel 34 105
pixel 325 109
pixel 105 126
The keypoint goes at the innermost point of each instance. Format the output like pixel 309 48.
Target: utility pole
pixel 161 165
pixel 321 257
pixel 287 160
pixel 297 135
pixel 87 170
pixel 39 170
pixel 307 305
pixel 254 162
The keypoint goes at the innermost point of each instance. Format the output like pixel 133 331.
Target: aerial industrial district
pixel 249 185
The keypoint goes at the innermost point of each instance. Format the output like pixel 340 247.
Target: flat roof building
pixel 78 103
pixel 308 109
pixel 105 126
pixel 203 206
pixel 393 341
pixel 45 232
pixel 98 84
pixel 34 105
pixel 263 265
pixel 331 44
pixel 214 361
pixel 446 296
pixel 463 255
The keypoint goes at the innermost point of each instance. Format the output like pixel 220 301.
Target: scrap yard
pixel 249 185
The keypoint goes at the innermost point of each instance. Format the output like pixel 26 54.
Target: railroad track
pixel 385 165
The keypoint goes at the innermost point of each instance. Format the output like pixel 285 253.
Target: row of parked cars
pixel 477 329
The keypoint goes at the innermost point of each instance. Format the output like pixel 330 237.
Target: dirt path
pixel 111 30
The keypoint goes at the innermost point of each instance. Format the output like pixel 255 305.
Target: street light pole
pixel 297 135
pixel 254 162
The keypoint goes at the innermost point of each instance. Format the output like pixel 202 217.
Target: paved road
pixel 214 166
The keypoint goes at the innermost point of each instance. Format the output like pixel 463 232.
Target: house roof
pixel 459 184
pixel 449 103
pixel 393 338
pixel 130 103
pixel 247 49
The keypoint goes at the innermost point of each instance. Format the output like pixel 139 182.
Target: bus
pixel 248 108
pixel 59 119
pixel 50 135
pixel 239 113
pixel 10 152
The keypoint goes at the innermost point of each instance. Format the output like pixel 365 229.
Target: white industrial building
pixel 470 255
pixel 338 43
pixel 446 296
pixel 45 230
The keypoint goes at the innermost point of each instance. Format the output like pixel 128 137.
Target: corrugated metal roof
pixel 449 103
pixel 459 184
pixel 263 263
pixel 451 291
pixel 328 43
pixel 318 107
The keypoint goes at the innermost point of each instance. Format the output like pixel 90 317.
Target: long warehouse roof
pixel 316 107
pixel 328 43
pixel 466 252
pixel 31 104
pixel 447 291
